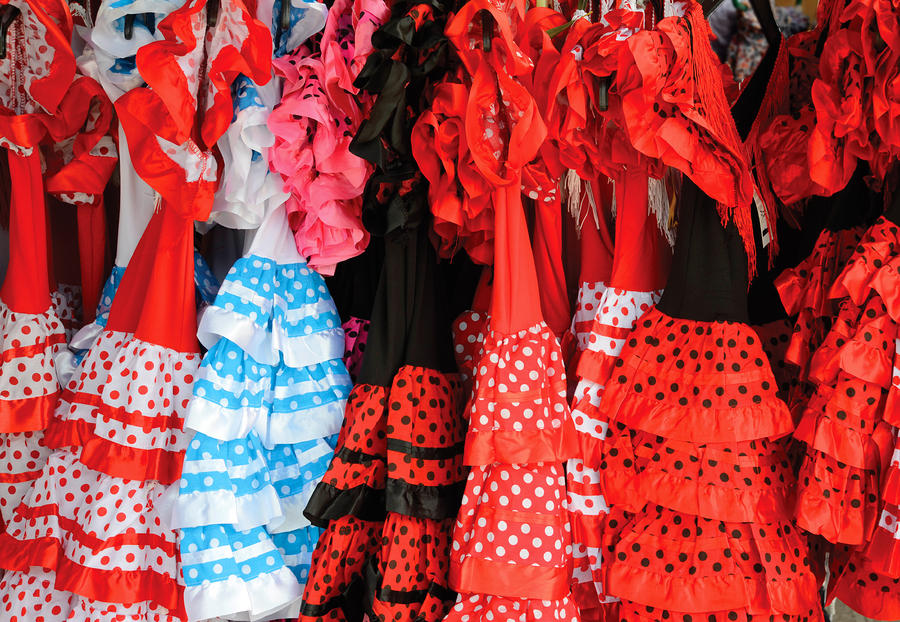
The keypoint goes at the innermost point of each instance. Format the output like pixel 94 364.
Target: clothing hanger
pixel 8 14
pixel 149 21
pixel 764 13
pixel 212 13
pixel 284 21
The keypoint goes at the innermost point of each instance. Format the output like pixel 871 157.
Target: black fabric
pixel 434 502
pixel 330 503
pixel 425 453
pixel 708 281
pixel 355 282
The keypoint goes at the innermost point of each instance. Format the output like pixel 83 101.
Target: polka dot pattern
pixel 512 517
pixel 614 313
pixel 519 393
pixel 804 292
pixel 469 330
pixel 93 526
pixel 587 306
pixel 273 311
pixel 356 333
pixel 700 495
pixel 28 377
pixel 473 607
pixel 338 564
pixel 67 303
pixel 32 597
pixel 22 455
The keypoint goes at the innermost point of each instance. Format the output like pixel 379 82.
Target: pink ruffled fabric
pixel 313 125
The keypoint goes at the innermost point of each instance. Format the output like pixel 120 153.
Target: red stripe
pixel 11 354
pixel 18 478
pixel 28 414
pixel 613 332
pixel 91 541
pixel 131 463
pixel 165 423
pixel 108 586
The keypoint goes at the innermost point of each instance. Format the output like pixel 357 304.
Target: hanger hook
pixel 8 14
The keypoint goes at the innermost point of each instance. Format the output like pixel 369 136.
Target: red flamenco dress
pixel 864 503
pixel 691 451
pixel 511 545
pixel 41 103
pixel 698 484
pixel 640 267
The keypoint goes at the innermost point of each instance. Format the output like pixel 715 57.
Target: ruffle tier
pixel 665 557
pixel 243 573
pixel 747 481
pixel 805 292
pixel 408 580
pixel 32 596
pixel 22 455
pixel 124 411
pixel 338 565
pixel 235 395
pixel 699 382
pixel 617 313
pixel 105 538
pixel 354 483
pixel 242 484
pixel 486 607
pixel 519 413
pixel 275 312
pixel 512 534
pixel 29 387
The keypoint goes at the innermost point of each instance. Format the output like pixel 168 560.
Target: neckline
pixel 768 92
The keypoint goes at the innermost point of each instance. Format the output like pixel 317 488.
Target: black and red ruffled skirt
pixel 697 475
pixel 387 503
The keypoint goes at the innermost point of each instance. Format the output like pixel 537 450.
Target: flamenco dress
pixel 639 270
pixel 123 442
pixel 804 288
pixel 698 483
pixel 860 421
pixel 42 102
pixel 391 493
pixel 268 399
pixel 511 544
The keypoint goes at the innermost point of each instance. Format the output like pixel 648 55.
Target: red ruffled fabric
pixel 692 453
pixel 848 442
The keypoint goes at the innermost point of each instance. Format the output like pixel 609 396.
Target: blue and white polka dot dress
pixel 268 403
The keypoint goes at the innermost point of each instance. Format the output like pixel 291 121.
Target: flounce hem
pixel 296 350
pixel 520 393
pixel 837 501
pixel 110 586
pixel 235 598
pixel 419 501
pixel 476 607
pixel 746 422
pixel 702 480
pixel 29 383
pixel 329 503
